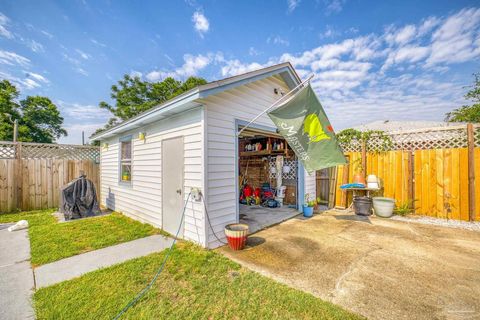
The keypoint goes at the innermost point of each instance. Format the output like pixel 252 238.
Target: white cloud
pixel 35 46
pixel 292 5
pixel 77 64
pixel 70 59
pixel 11 58
pixel 47 34
pixel 80 111
pixel 278 40
pixel 333 6
pixel 234 67
pixel 75 131
pixel 135 73
pixel 427 25
pixel 406 34
pixel 36 76
pixel 82 54
pixel 21 83
pixel 81 71
pixel 456 40
pixel 253 52
pixel 4 22
pixel 409 54
pixel 357 79
pixel 329 32
pixel 200 23
pixel 98 43
pixel 191 67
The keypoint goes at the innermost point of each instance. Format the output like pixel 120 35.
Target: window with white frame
pixel 126 159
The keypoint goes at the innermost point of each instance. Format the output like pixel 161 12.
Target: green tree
pixel 468 113
pixel 132 95
pixel 8 109
pixel 39 119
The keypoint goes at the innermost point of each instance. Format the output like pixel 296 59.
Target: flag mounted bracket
pixel 275 104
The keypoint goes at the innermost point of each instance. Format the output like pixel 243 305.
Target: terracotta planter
pixel 237 234
pixel 359 178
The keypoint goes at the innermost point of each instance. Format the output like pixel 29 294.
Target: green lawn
pixel 51 241
pixel 196 284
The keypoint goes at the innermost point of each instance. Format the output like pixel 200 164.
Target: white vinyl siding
pixel 141 199
pixel 221 112
pixel 310 185
pixel 210 160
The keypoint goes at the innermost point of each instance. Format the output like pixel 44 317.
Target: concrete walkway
pixel 78 265
pixel 16 277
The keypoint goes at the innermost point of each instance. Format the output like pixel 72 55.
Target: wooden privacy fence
pixel 436 172
pixel 32 174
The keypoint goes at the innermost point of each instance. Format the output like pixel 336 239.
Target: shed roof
pixel 188 100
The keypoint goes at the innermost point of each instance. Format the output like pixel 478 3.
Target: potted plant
pixel 358 176
pixel 126 175
pixel 308 206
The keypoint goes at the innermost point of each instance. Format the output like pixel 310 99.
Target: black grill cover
pixel 78 199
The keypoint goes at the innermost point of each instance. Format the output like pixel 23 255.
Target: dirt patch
pixel 379 268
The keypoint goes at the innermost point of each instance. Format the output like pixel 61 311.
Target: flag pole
pixel 275 103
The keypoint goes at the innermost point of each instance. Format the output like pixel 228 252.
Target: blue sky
pixel 397 60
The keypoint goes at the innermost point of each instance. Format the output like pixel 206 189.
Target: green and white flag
pixel 302 121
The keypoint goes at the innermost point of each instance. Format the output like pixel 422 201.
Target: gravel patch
pixel 474 226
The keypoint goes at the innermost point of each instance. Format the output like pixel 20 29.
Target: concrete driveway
pixel 379 268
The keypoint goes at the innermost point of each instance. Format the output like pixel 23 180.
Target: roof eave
pixel 286 71
pixel 182 99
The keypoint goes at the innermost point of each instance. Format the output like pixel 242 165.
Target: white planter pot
pixel 383 206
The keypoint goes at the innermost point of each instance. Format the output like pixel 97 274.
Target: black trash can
pixel 363 206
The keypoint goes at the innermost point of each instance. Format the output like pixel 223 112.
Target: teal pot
pixel 383 206
pixel 307 211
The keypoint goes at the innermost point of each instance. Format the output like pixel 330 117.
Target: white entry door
pixel 172 185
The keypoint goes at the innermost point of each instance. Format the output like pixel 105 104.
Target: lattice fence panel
pixel 353 146
pixel 60 151
pixel 418 140
pixel 7 150
pixel 292 174
pixel 434 139
pixel 477 136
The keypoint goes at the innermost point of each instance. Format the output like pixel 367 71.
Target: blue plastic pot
pixel 307 211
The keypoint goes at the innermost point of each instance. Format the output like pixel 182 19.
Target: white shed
pixel 150 163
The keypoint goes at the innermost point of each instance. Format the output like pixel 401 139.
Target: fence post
pixel 411 179
pixel 364 158
pixel 344 181
pixel 471 172
pixel 17 184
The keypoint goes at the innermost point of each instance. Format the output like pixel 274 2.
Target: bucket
pixel 237 234
pixel 281 192
pixel 307 211
pixel 383 206
pixel 279 200
pixel 362 206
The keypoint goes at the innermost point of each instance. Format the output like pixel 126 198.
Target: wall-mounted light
pixel 105 146
pixel 141 136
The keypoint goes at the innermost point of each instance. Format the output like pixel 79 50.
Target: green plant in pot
pixel 308 206
pixel 126 175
